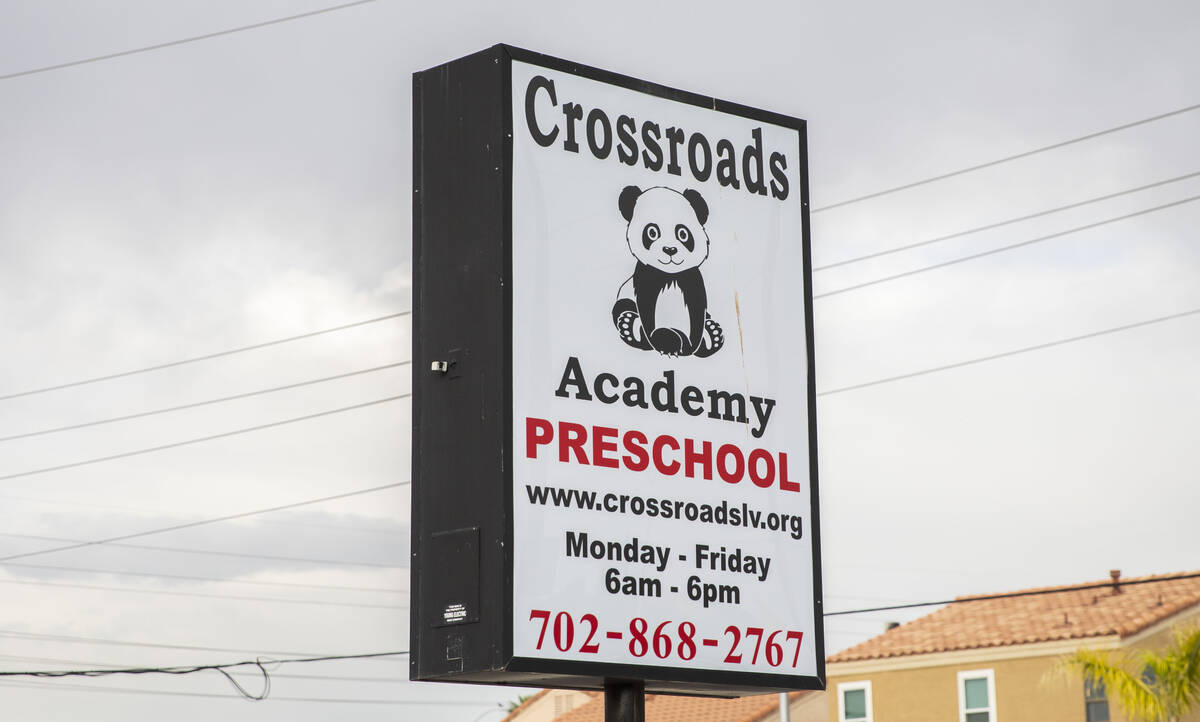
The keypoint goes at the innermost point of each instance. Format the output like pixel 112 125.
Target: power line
pixel 216 580
pixel 70 639
pixel 207 402
pixel 1027 349
pixel 201 595
pixel 191 669
pixel 338 678
pixel 183 41
pixel 168 693
pixel 1006 159
pixel 1001 224
pixel 280 675
pixel 1011 595
pixel 144 510
pixel 206 357
pixel 223 435
pixel 211 552
pixel 246 555
pixel 202 522
pixel 223 669
pixel 1002 249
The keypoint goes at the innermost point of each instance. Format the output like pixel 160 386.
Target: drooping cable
pixel 259 663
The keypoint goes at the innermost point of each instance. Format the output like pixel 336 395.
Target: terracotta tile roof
pixel 670 708
pixel 1065 612
pixel 524 704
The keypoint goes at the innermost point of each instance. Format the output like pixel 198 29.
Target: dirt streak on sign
pixel 659 496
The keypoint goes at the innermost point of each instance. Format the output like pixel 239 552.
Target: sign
pixel 626 273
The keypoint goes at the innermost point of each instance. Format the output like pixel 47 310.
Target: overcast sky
pixel 255 186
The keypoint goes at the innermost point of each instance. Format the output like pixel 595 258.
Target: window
pixel 977 696
pixel 854 702
pixel 1149 677
pixel 1095 700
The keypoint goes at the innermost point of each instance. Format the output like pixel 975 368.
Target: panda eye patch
pixel 650 234
pixel 684 236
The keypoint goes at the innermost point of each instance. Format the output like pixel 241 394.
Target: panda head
pixel 666 227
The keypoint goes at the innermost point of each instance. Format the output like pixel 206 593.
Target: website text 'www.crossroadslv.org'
pixel 723 514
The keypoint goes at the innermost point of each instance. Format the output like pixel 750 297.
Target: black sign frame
pixel 461 615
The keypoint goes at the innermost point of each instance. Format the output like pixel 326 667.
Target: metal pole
pixel 624 701
pixel 785 711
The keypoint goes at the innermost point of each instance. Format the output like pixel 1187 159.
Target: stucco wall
pixel 1025 692
pixel 806 708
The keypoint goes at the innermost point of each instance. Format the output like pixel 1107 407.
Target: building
pixel 992 659
pixel 573 706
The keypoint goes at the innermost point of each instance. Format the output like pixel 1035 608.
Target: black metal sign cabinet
pixel 462 478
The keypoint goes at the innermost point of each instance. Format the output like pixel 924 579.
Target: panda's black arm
pixel 629 326
pixel 621 306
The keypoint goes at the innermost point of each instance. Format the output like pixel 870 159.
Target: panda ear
pixel 698 205
pixel 628 200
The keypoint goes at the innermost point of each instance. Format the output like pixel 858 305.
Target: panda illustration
pixel 663 306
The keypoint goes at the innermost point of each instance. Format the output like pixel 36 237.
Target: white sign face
pixel 662 506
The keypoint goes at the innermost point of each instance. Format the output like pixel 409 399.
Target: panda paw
pixel 714 338
pixel 630 329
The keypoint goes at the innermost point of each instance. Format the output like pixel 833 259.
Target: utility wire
pixel 207 402
pixel 226 434
pixel 69 639
pixel 216 580
pixel 145 510
pixel 192 669
pixel 206 357
pixel 219 553
pixel 42 685
pixel 1006 159
pixel 201 595
pixel 1012 595
pixel 1014 352
pixel 202 522
pixel 1001 224
pixel 183 41
pixel 280 675
pixel 210 552
pixel 1002 249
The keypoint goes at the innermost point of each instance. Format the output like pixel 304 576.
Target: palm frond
pixel 1137 699
pixel 1185 654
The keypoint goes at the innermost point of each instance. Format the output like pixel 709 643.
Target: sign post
pixel 614 428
